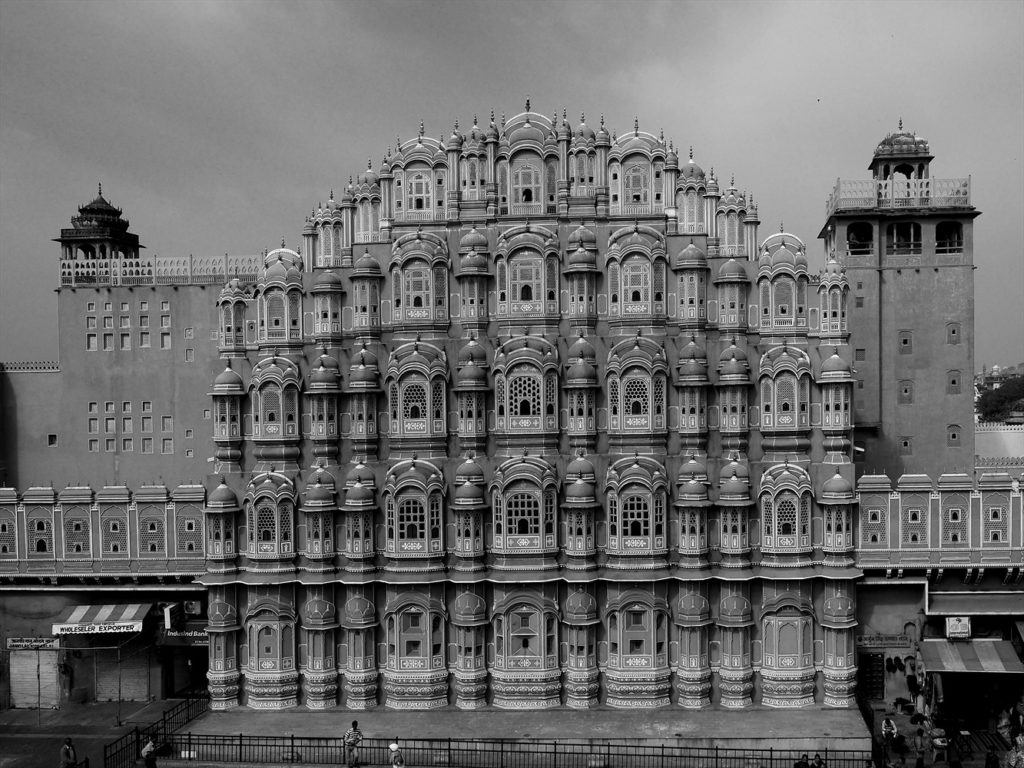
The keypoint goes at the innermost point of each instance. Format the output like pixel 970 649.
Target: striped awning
pixel 92 619
pixel 971 656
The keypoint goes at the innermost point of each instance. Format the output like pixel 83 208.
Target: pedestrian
pixel 803 762
pixel 991 758
pixel 352 738
pixel 889 731
pixel 817 762
pixel 68 757
pixel 397 760
pixel 149 753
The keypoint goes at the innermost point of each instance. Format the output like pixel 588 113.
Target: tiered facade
pixel 532 421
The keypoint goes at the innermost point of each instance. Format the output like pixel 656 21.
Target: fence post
pixel 771 757
pixel 554 747
pixel 662 756
pixel 292 748
pixel 826 755
pixel 239 747
pixel 190 745
pixel 449 750
pixel 716 756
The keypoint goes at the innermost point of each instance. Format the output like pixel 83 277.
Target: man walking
pixel 352 738
pixel 67 754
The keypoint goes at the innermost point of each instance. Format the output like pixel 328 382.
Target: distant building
pixel 532 419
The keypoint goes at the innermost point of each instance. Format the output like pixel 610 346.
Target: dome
pixel 359 495
pixel 323 377
pixel 581 236
pixel 582 348
pixel 694 609
pixel 581 466
pixel 580 608
pixel 471 374
pixel 733 487
pixel 469 609
pixel 469 470
pixel 221 613
pixel 902 143
pixel 228 382
pixel 734 610
pixel 579 491
pixel 837 488
pixel 326 281
pixel 691 256
pixel 732 272
pixel 318 611
pixel 469 493
pixel 835 364
pixel 367 266
pixel 733 364
pixel 359 612
pixel 839 610
pixel 527 131
pixel 222 497
pixel 360 473
pixel 473 240
pixel 319 495
pixel 581 258
pixel 691 171
pixel 363 371
pixel 693 469
pixel 584 132
pixel 473 352
pixel 581 373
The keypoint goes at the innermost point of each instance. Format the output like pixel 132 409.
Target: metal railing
pixel 498 753
pixel 126 750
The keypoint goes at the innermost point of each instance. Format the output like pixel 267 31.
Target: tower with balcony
pixel 906 239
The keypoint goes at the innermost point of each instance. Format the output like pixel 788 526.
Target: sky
pixel 218 126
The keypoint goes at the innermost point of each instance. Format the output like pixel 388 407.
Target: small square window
pixel 914 516
pixel 860 354
pixel 906 446
pixel 165 321
pixel 190 525
pixel 860 383
pixel 126 444
pixel 90 322
pixel 147 406
pixel 124 322
pixel 165 341
pixel 143 306
pixel 51 440
pixel 995 514
pixel 144 321
pixel 190 355
pixel 147 423
pixel 126 341
pixel 126 424
pixel 188 453
pixel 124 306
pixel 189 333
pixel 90 342
pixel 108 342
pixel 906 392
pixel 108 407
pixel 906 342
pixel 954 515
pixel 152 526
pixel 165 306
pixel 188 434
pixel 126 406
pixel 167 445
pixel 94 426
pixel 94 446
pixel 110 444
pixel 91 306
pixel 107 306
pixel 94 407
pixel 110 425
pixel 144 340
pixel 166 423
pixel 108 322
pixel 206 413
pixel 858 301
pixel 76 527
pixel 953 333
pixel 873 516
pixel 147 445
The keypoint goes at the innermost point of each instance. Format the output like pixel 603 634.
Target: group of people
pixel 803 762
pixel 353 738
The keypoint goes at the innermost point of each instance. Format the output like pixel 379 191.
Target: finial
pixel 732 181
pixel 282 245
pixel 502 119
pixel 475 121
pixel 636 126
pixel 369 164
pixel 602 119
pixel 661 135
pixel 782 228
pixel 421 129
pixel 398 143
pixel 456 125
pixel 563 114
pixel 691 153
pixel 583 117
pixel 100 184
pixel 332 194
pixel 901 123
pixel 492 115
pixel 350 179
pixel 527 103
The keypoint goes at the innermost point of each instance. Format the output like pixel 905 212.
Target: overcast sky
pixel 217 126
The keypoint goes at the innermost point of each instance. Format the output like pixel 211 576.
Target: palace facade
pixel 533 418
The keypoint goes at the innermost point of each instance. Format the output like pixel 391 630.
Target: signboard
pixel 883 641
pixel 174 615
pixel 33 643
pixel 92 629
pixel 193 633
pixel 958 627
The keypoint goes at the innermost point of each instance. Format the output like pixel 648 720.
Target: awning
pixel 93 619
pixel 975 603
pixel 970 656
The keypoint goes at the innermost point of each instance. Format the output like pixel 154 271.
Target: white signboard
pixel 958 627
pixel 91 629
pixel 32 643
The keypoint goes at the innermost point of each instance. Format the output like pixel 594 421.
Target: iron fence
pixel 126 750
pixel 474 753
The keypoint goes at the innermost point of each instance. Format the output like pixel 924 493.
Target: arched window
pixel 526 272
pixel 636 285
pixel 419 192
pixel 416 283
pixel 637 184
pixel 526 184
pixel 637 638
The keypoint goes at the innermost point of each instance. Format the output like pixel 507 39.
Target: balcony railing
pixel 864 194
pixel 527 209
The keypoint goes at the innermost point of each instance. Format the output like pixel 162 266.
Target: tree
pixel 996 404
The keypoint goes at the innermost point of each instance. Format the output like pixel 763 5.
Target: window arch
pixel 418 406
pixel 415 523
pixel 415 639
pixel 526 184
pixel 524 517
pixel 526 637
pixel 419 192
pixel 638 638
pixel 786 521
pixel 636 184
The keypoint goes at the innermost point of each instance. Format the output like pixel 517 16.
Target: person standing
pixel 352 738
pixel 397 759
pixel 68 757
pixel 149 754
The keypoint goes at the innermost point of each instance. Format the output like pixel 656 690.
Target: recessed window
pixel 143 306
pixel 166 423
pixel 94 446
pixel 914 516
pixel 874 516
pixel 94 407
pixel 206 413
pixel 190 525
pixel 124 306
pixel 91 306
pixel 147 423
pixel 51 440
pixel 188 434
pixel 147 406
pixel 165 341
pixel 190 355
pixel 165 306
pixel 147 445
pixel 858 301
pixel 189 333
pixel 107 306
pixel 953 333
pixel 906 446
pixel 108 407
pixel 167 445
pixel 126 341
pixel 144 339
pixel 109 445
pixel 124 322
pixel 108 322
pixel 953 386
pixel 165 321
pixel 110 425
pixel 90 322
pixel 953 435
pixel 94 426
pixel 126 444
pixel 906 392
pixel 860 354
pixel 954 515
pixel 90 342
pixel 108 342
pixel 144 321
pixel 906 342
pixel 995 514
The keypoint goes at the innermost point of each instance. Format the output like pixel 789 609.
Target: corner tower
pixel 906 240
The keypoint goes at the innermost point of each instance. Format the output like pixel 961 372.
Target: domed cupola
pixel 581 236
pixel 456 140
pixel 469 610
pixel 733 367
pixel 472 367
pixel 694 610
pixel 363 372
pixel 228 382
pixel 222 499
pixel 692 367
pixel 473 254
pixel 839 612
pixel 734 484
pixel 317 612
pixel 692 484
pixel 362 474
pixel 690 257
pixel 734 610
pixel 732 272
pixel 581 609
pixel 672 158
pixel 325 378
pixel 318 497
pixel 837 490
pixel 834 368
pixel 581 468
pixel 581 370
pixel 602 138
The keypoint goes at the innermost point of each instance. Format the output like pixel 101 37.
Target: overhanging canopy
pixel 975 603
pixel 971 656
pixel 93 619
